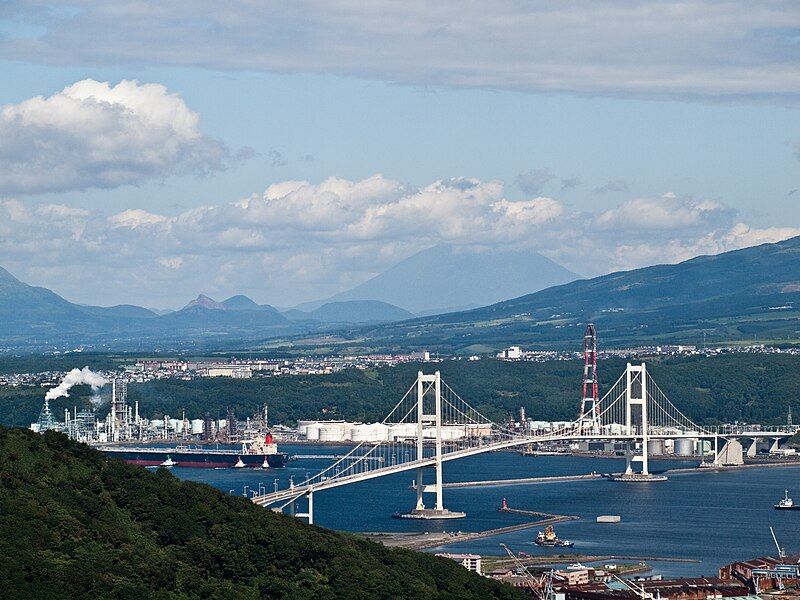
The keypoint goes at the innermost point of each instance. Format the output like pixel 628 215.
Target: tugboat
pixel 168 463
pixel 239 463
pixel 549 539
pixel 786 503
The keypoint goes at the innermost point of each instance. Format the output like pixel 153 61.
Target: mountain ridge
pixel 463 276
pixel 741 293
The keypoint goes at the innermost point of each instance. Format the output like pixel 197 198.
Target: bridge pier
pixel 752 448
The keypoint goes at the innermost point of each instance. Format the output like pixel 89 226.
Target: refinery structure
pixel 124 423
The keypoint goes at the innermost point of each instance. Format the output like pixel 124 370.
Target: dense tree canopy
pixel 734 387
pixel 75 524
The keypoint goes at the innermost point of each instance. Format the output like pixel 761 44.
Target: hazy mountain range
pixel 35 317
pixel 446 278
pixel 750 294
pixel 745 295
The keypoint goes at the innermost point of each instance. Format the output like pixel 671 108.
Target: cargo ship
pixel 549 539
pixel 255 453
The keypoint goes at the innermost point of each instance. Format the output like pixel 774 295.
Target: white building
pixel 233 371
pixel 510 353
pixel 471 562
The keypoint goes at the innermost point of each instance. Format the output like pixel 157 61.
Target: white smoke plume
pixel 76 377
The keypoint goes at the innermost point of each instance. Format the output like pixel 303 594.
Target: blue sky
pixel 651 139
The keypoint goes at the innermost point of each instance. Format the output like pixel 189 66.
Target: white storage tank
pixel 402 431
pixel 302 426
pixel 332 432
pixel 655 447
pixel 452 432
pixel 612 429
pixel 312 431
pixel 176 425
pixel 372 432
pixel 684 446
pixel 157 423
pixel 197 426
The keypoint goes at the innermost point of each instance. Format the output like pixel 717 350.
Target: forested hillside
pixel 75 524
pixel 746 387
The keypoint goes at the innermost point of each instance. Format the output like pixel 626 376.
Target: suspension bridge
pixel 437 426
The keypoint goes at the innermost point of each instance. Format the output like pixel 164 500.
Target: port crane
pixel 542 587
pixel 778 572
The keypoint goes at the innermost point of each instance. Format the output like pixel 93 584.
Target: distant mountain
pixel 351 312
pixel 452 276
pixel 203 301
pixel 749 294
pixel 240 303
pixel 35 317
pixel 359 311
pixel 234 313
pixel 27 310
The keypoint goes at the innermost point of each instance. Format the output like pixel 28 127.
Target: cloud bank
pixel 300 241
pixel 635 48
pixel 92 134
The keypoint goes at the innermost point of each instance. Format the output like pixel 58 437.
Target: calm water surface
pixel 715 518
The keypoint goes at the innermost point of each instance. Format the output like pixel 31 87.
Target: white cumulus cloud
pixel 93 134
pixel 300 240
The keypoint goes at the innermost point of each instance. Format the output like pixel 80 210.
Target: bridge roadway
pixel 301 490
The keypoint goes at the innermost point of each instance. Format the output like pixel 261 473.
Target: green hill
pixel 743 295
pixel 74 524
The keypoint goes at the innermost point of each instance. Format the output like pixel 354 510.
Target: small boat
pixel 239 463
pixel 168 463
pixel 265 464
pixel 787 503
pixel 576 567
pixel 549 539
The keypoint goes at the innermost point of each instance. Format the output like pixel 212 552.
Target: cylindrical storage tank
pixel 175 425
pixel 707 447
pixel 157 423
pixel 452 432
pixel 197 426
pixel 373 432
pixel 402 431
pixel 684 446
pixel 380 432
pixel 332 433
pixel 302 426
pixel 312 431
pixel 361 433
pixel 655 447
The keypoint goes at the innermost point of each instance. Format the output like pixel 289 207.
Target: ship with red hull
pixel 262 454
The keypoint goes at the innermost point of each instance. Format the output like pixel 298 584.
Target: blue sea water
pixel 714 518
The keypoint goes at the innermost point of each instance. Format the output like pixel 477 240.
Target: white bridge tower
pixel 636 397
pixel 429 416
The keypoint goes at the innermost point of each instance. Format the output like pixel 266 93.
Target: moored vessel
pixel 252 453
pixel 549 539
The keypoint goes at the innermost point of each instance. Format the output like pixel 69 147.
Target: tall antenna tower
pixel 590 400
